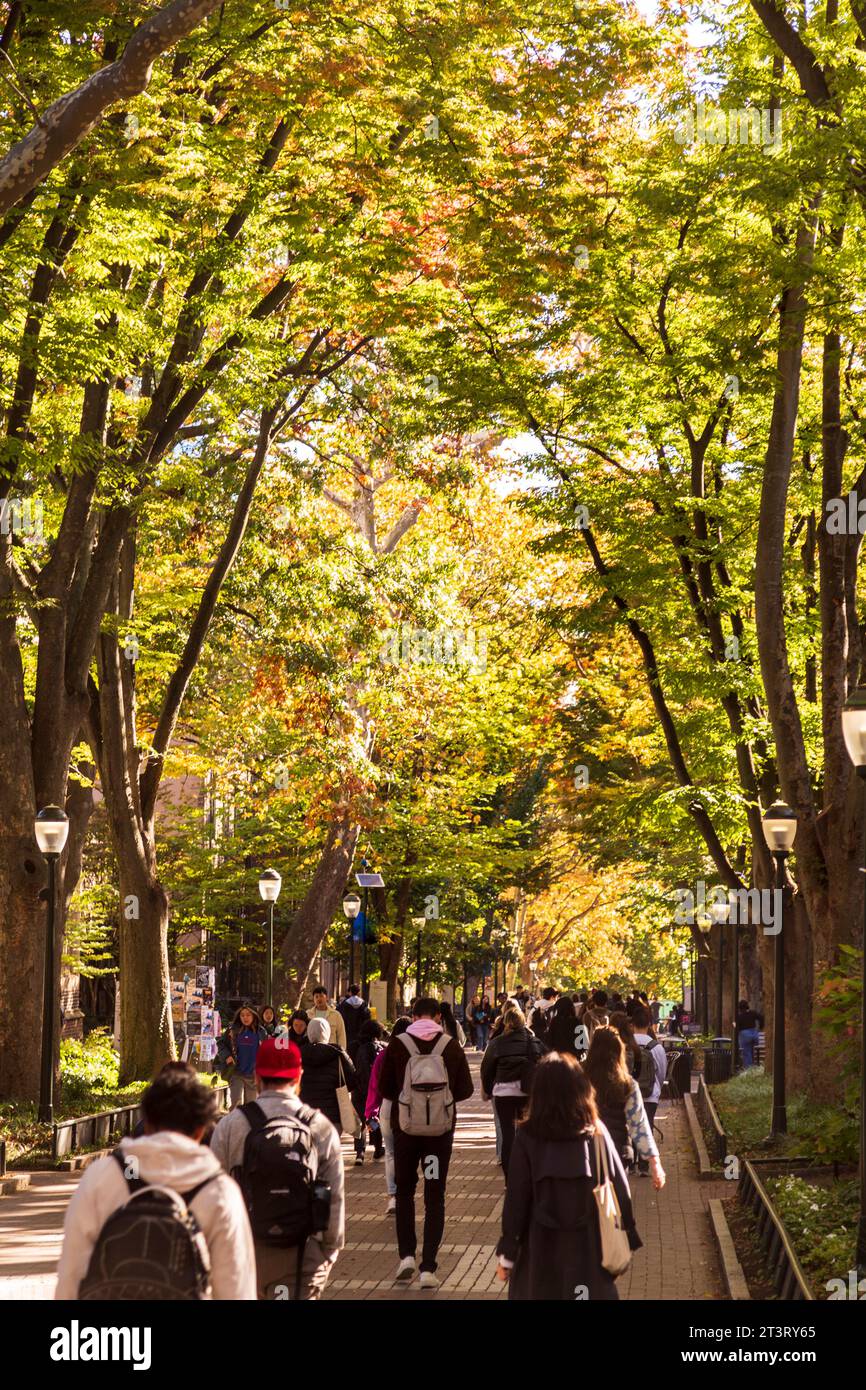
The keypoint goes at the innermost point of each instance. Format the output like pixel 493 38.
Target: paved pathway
pixel 678 1261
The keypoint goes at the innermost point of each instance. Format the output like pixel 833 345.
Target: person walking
pixel 326 1068
pixel 323 1008
pixel 469 1020
pixel 236 1052
pixel 369 1047
pixel 620 1103
pixel 378 1110
pixel 749 1024
pixel 597 1013
pixel 268 1019
pixel 645 1037
pixel 506 1074
pixel 178 1110
pixel 286 1157
pixel 425 1075
pixel 354 1013
pixel 297 1030
pixel 562 1026
pixel 539 1017
pixel 450 1023
pixel 550 1247
pixel 483 1015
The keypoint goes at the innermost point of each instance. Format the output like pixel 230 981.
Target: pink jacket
pixel 374 1095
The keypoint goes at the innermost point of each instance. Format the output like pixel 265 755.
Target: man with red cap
pixel 286 1156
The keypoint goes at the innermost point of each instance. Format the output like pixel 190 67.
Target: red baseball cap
pixel 278 1058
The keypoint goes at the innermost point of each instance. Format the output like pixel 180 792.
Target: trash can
pixel 717 1061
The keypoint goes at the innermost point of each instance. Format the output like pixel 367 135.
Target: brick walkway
pixel 678 1261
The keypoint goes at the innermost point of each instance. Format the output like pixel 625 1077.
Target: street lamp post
pixel 52 828
pixel 735 991
pixel 366 880
pixel 351 907
pixel 418 924
pixel 269 887
pixel 854 730
pixel 719 913
pixel 779 824
pixel 704 925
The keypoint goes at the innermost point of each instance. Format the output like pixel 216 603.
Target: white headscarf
pixel 319 1030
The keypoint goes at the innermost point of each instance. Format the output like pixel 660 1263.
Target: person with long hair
pixel 506 1074
pixel 647 1040
pixel 620 1103
pixel 450 1023
pixel 624 1026
pixel 483 1013
pixel 550 1247
pixel 562 1026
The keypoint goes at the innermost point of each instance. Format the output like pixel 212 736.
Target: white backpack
pixel 425 1101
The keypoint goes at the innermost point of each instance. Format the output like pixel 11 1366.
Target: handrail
pixel 79 1130
pixel 709 1118
pixel 791 1283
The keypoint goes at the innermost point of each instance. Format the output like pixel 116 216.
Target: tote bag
pixel 615 1251
pixel 350 1122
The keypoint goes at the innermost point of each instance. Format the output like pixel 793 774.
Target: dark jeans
pixel 650 1106
pixel 433 1154
pixel 508 1108
pixel 375 1140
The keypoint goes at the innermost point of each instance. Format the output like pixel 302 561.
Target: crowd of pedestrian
pixel 252 1204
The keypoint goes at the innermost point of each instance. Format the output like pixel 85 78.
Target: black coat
pixel 510 1057
pixel 561 1028
pixel 354 1016
pixel 321 1077
pixel 550 1220
pixel 365 1055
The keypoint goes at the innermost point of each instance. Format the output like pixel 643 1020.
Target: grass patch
pixel 823 1133
pixel 88 1084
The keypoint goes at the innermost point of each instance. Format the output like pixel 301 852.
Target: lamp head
pixel 51 827
pixel 269 885
pixel 854 727
pixel 779 824
pixel 351 906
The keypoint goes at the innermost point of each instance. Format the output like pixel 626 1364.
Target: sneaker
pixel 391 1207
pixel 378 1153
pixel 428 1279
pixel 359 1160
pixel 406 1271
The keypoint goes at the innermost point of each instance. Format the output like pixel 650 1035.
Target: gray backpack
pixel 425 1100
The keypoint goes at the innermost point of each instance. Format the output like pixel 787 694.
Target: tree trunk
pixel 390 958
pixel 302 941
pixel 22 937
pixel 146 1033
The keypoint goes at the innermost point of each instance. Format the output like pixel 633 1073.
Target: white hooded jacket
pixel 171 1160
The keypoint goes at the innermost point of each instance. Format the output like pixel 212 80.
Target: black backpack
pixel 284 1202
pixel 645 1069
pixel 149 1249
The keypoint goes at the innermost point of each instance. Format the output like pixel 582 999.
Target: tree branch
pixel 66 123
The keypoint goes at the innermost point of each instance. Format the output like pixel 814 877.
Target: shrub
pixel 822 1223
pixel 88 1069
